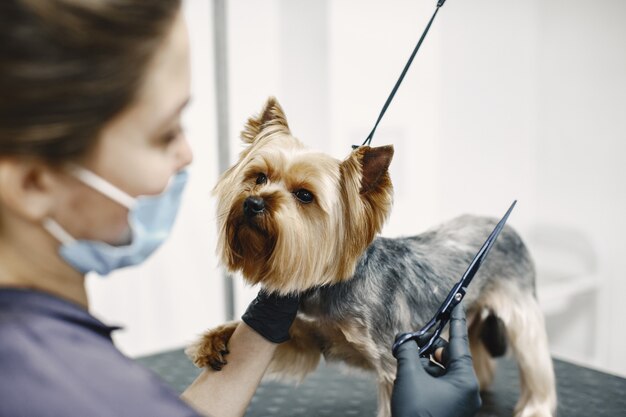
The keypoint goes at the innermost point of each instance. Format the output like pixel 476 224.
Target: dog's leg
pixel 385 385
pixel 484 365
pixel 527 337
pixel 298 356
pixel 212 347
pixel 530 346
pixel 354 345
pixel 386 371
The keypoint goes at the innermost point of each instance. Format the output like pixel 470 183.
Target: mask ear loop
pixel 97 183
pixel 58 232
pixel 103 186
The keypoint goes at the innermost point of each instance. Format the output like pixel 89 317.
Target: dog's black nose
pixel 253 206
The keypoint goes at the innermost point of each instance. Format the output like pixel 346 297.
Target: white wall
pixel 506 100
pixel 581 84
pixel 167 301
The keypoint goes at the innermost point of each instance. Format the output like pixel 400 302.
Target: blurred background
pixel 506 100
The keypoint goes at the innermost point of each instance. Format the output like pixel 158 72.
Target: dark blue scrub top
pixel 58 360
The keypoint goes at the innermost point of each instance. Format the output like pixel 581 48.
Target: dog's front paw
pixel 212 348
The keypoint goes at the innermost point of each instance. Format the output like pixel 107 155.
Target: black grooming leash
pixel 369 138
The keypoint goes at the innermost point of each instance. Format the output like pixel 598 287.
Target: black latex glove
pixel 271 315
pixel 423 389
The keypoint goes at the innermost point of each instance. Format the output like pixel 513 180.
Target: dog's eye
pixel 261 179
pixel 304 195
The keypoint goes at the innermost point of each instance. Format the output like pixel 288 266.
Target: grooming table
pixel 329 392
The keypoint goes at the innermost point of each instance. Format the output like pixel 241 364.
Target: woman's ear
pixel 27 187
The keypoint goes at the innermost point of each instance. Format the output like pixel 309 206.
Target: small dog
pixel 299 221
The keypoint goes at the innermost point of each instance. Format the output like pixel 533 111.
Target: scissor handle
pixel 426 348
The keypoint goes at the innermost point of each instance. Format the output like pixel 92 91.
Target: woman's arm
pixel 228 392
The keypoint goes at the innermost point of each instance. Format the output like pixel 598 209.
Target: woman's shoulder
pixel 43 320
pixel 56 360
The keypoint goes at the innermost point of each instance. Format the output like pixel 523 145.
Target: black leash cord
pixel 369 138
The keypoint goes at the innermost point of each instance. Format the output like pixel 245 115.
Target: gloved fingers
pixel 460 369
pixel 432 368
pixel 409 364
pixel 440 347
pixel 458 351
pixel 434 365
pixel 437 345
pixel 423 339
pixel 271 315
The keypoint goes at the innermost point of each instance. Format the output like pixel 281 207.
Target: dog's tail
pixel 493 335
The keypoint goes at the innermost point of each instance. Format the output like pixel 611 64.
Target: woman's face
pixel 138 151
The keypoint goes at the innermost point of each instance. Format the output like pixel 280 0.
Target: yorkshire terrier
pixel 298 221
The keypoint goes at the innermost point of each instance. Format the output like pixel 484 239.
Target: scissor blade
pixel 460 287
pixel 484 250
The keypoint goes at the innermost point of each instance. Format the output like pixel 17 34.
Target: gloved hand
pixel 423 389
pixel 271 315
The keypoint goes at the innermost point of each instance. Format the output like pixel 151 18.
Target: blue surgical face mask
pixel 150 219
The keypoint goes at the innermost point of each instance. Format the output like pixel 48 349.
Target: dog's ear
pixel 367 197
pixel 374 165
pixel 272 115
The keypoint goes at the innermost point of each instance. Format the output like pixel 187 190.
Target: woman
pixel 92 164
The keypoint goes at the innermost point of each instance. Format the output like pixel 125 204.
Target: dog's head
pixel 291 218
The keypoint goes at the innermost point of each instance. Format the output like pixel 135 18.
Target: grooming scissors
pixel 433 328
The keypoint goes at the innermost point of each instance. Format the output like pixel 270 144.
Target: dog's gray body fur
pixel 400 283
pixel 420 271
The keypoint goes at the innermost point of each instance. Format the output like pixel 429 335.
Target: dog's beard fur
pixel 292 246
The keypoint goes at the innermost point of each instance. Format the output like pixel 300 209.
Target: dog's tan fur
pixel 352 200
